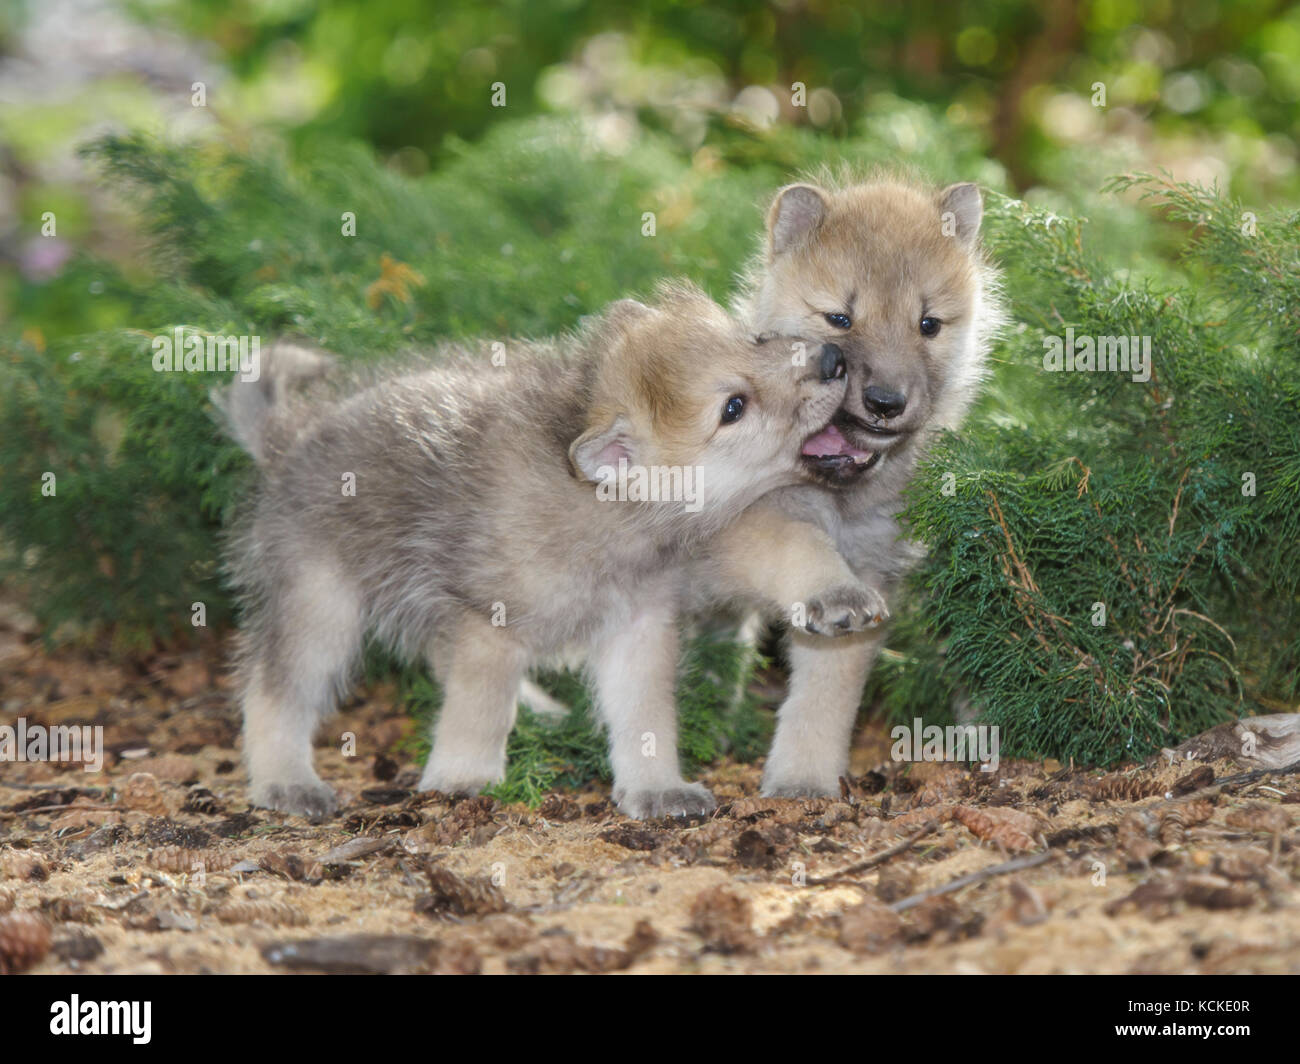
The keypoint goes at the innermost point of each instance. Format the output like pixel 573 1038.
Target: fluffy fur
pixel 474 536
pixel 859 265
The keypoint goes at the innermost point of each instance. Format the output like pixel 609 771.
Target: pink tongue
pixel 831 441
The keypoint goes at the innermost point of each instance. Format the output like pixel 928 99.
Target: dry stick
pixel 1178 498
pixel 1011 560
pixel 1223 631
pixel 875 859
pixel 1191 558
pixel 1214 787
pixel 1255 774
pixel 7 814
pixel 1022 594
pixel 975 877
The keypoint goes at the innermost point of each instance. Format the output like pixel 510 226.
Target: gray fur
pixel 469 511
pixel 245 411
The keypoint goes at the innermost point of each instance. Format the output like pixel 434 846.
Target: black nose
pixel 882 402
pixel 832 366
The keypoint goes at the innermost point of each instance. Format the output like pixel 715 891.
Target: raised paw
pixel 843 610
pixel 685 799
pixel 316 801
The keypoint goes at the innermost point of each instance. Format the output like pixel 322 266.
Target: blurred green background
pixel 1208 90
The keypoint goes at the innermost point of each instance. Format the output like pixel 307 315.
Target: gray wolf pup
pixel 484 513
pixel 893 274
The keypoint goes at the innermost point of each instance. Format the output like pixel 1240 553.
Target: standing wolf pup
pixel 893 274
pixel 475 534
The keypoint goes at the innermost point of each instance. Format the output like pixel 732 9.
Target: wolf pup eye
pixel 930 326
pixel 733 409
pixel 840 321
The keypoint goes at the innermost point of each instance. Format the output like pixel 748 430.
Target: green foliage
pixel 545 754
pixel 1071 488
pixel 411 79
pixel 1171 502
pixel 139 482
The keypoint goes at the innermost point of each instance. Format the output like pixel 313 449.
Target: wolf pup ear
pixel 966 207
pixel 602 447
pixel 796 212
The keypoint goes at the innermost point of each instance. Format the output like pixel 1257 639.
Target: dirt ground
pixel 157 864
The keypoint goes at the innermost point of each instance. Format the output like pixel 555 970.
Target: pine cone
pixel 182 861
pixel 460 895
pixel 1121 789
pixel 272 912
pixel 24 940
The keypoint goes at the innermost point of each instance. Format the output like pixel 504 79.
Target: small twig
pixel 1259 773
pixel 1017 865
pixel 1215 788
pixel 1222 834
pixel 1191 558
pixel 9 814
pixel 1178 498
pixel 872 861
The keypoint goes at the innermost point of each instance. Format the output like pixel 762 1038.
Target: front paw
pixel 800 788
pixel 314 800
pixel 841 611
pixel 684 799
pixel 455 779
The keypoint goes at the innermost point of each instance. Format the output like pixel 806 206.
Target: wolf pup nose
pixel 832 362
pixel 882 402
pixel 397 507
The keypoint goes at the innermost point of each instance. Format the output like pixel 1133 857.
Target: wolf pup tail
pixel 247 409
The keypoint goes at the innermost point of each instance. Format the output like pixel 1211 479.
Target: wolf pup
pixel 892 274
pixel 484 516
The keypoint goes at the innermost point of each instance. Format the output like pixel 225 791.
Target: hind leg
pixel 534 698
pixel 293 675
pixel 481 668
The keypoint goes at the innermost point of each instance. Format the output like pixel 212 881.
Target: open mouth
pixel 830 452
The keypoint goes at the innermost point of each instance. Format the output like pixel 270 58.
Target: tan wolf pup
pixel 893 274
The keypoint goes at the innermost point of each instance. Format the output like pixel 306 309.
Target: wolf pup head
pixel 681 389
pixel 893 274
